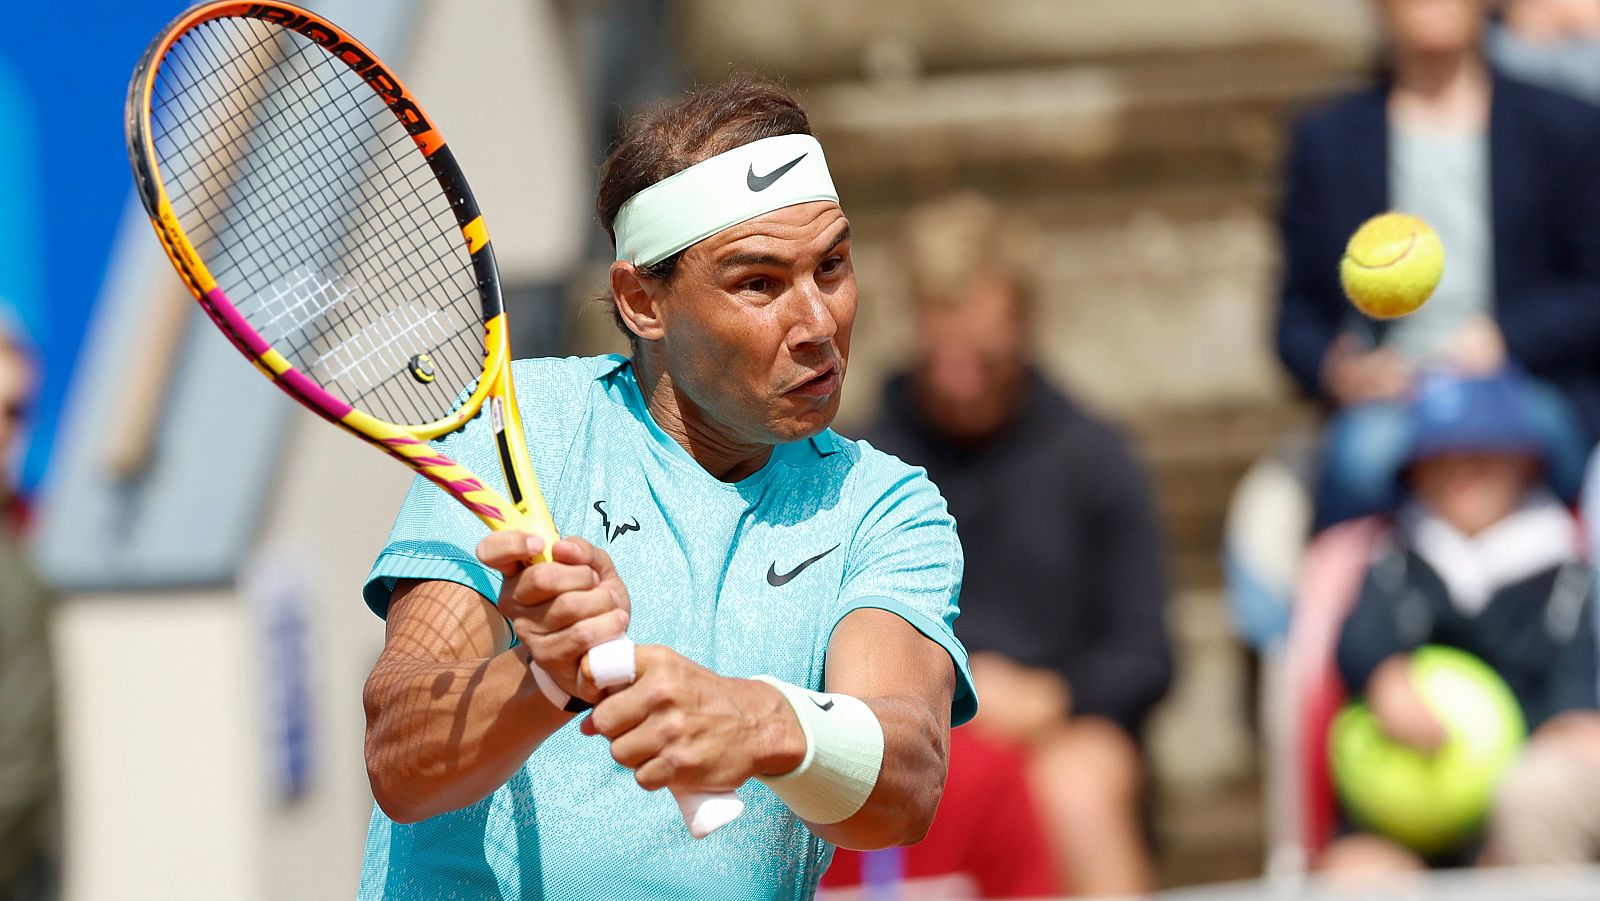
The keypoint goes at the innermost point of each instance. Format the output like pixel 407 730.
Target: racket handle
pixel 612 666
pixel 706 812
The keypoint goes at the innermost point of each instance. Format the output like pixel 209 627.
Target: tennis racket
pixel 319 218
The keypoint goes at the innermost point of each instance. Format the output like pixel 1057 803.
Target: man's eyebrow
pixel 843 237
pixel 736 260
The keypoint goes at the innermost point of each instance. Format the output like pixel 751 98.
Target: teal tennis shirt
pixel 744 578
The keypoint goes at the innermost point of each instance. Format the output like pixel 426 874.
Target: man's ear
pixel 637 302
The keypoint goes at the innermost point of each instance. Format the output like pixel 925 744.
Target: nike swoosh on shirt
pixel 762 182
pixel 776 580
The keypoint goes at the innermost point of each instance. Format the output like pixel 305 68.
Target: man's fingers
pixel 574 641
pixel 580 552
pixel 573 550
pixel 509 551
pixel 619 713
pixel 575 606
pixel 637 745
pixel 543 581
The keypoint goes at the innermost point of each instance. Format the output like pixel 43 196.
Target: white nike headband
pixel 721 192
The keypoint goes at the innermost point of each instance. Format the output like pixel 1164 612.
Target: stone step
pixel 1041 132
pixel 826 40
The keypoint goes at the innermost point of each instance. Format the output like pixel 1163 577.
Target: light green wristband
pixel 844 752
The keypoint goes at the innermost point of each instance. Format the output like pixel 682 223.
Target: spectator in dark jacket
pixel 1509 175
pixel 1485 559
pixel 1063 598
pixel 29 768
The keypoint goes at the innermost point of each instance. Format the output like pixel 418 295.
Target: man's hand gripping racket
pixel 317 215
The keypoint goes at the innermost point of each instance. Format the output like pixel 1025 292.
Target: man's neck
pixel 1441 93
pixel 674 413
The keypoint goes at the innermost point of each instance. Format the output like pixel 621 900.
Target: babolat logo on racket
pixel 353 56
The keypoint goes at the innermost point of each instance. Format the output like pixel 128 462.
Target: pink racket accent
pixel 221 308
pixel 402 446
pixel 291 379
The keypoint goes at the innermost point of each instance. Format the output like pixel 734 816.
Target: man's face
pixel 1472 491
pixel 756 330
pixel 971 350
pixel 1434 27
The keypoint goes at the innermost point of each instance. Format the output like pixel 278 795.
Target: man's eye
pixel 832 265
pixel 758 285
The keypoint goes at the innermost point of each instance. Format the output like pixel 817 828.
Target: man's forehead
pixel 796 226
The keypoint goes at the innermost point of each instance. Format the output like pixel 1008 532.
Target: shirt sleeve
pixel 905 558
pixel 1308 319
pixel 434 537
pixel 1551 319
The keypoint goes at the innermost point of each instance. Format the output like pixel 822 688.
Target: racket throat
pixel 522 485
pixel 509 464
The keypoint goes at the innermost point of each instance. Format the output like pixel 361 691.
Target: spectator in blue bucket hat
pixel 1486 556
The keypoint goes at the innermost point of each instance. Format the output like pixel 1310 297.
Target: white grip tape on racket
pixel 612 665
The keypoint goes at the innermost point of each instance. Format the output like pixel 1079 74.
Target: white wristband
pixel 610 662
pixel 844 752
pixel 552 692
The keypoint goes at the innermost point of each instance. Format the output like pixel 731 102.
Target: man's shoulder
pixel 562 386
pixel 1547 114
pixel 565 372
pixel 880 484
pixel 866 463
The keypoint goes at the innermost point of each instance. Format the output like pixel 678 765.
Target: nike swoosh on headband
pixel 762 182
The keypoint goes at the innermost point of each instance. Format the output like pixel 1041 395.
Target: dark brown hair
pixel 668 137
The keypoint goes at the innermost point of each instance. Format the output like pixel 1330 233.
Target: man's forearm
pixel 916 749
pixel 442 736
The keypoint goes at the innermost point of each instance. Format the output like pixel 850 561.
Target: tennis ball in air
pixel 1391 265
pixel 1430 803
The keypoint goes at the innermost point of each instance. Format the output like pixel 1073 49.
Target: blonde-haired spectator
pixel 1063 599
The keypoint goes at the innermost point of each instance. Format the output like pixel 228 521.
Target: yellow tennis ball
pixel 1391 265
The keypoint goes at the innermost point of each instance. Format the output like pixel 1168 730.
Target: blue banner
pixel 66 175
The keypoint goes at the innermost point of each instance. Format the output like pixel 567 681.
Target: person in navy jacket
pixel 1509 174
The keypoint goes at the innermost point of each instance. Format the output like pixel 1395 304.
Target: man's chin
pixel 801 427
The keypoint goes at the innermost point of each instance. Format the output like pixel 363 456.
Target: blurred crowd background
pixel 1203 502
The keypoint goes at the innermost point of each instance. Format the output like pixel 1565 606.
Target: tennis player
pixel 793 592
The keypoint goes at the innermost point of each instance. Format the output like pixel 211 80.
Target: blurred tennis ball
pixel 1430 803
pixel 1391 265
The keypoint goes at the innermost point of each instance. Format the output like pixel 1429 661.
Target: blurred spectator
pixel 986 840
pixel 1589 507
pixel 1509 175
pixel 28 765
pixel 1555 43
pixel 1063 598
pixel 1486 559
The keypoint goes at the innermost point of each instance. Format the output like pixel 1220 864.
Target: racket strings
pixel 319 218
pixel 276 236
pixel 381 351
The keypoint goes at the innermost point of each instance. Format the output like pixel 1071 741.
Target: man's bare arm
pixel 451 712
pixel 908 681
